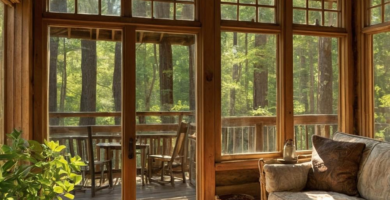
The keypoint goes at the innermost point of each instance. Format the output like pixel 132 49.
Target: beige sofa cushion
pixel 310 195
pixel 374 181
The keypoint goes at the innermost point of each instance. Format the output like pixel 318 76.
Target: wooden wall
pixel 238 182
pixel 18 68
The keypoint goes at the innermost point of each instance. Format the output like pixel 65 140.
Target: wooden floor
pixel 152 191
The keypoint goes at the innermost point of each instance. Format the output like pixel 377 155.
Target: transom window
pixel 162 9
pixel 317 12
pixel 378 11
pixel 90 7
pixel 262 11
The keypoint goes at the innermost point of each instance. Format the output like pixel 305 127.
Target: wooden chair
pixel 169 159
pixel 91 170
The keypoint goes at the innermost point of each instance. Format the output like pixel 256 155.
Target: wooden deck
pixel 148 192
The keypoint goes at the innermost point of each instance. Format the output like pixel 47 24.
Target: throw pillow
pixel 335 165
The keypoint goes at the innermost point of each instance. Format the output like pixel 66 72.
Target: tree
pixel 260 77
pixel 325 77
pixel 117 80
pixel 89 71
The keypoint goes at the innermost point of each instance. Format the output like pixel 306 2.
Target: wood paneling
pixel 18 79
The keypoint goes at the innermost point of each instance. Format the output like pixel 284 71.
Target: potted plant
pixel 30 170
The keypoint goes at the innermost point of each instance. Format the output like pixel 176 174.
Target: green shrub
pixel 30 170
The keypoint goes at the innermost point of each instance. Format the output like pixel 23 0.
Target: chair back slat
pixel 181 134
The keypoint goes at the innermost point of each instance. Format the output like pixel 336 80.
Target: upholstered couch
pixel 373 177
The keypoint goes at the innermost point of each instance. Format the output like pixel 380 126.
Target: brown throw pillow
pixel 334 166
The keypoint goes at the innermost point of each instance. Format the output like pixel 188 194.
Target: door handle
pixel 131 149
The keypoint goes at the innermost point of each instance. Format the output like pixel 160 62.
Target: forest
pixel 85 75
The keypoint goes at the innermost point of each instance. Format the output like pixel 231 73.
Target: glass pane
pixel 266 15
pixel 316 88
pixel 387 12
pixel 232 1
pixel 85 79
pixel 62 6
pixel 88 7
pixel 299 3
pixel 331 19
pixel 163 10
pixel 247 1
pixel 315 18
pixel 185 12
pixel 299 16
pixel 248 89
pixel 228 12
pixel 315 4
pixel 266 2
pixel 381 49
pixel 111 7
pixel 142 8
pixel 375 2
pixel 376 15
pixel 247 13
pixel 166 85
pixel 330 5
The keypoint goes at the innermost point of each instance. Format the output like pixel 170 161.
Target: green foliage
pixel 30 170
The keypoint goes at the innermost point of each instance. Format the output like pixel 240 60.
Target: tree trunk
pixel 260 78
pixel 247 100
pixel 117 80
pixel 312 104
pixel 89 71
pixel 303 81
pixel 325 76
pixel 165 69
pixel 54 42
pixel 64 84
pixel 232 103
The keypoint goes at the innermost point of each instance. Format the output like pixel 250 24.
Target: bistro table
pixel 109 146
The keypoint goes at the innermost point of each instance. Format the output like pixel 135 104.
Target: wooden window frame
pixel 285 30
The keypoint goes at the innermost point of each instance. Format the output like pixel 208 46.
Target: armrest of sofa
pixel 281 177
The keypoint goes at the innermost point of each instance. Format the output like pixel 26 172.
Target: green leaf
pixel 60 148
pixel 69 195
pixel 7 156
pixel 8 165
pixel 58 189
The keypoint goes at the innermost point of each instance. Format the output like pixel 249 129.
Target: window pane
pixel 62 6
pixel 142 8
pixel 387 12
pixel 88 6
pixel 111 7
pixel 315 4
pixel 163 10
pixel 266 2
pixel 299 3
pixel 266 15
pixel 375 2
pixel 331 19
pixel 381 55
pixel 299 16
pixel 247 1
pixel 247 13
pixel 185 12
pixel 315 18
pixel 376 15
pixel 228 12
pixel 248 96
pixel 331 5
pixel 316 88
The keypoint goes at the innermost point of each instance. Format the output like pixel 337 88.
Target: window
pixel 160 9
pixel 91 7
pixel 381 90
pixel 262 11
pixel 378 11
pixel 317 12
pixel 316 88
pixel 248 92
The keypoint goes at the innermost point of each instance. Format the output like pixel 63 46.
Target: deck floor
pixel 152 191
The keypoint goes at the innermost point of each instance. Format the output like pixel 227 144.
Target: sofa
pixel 288 181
